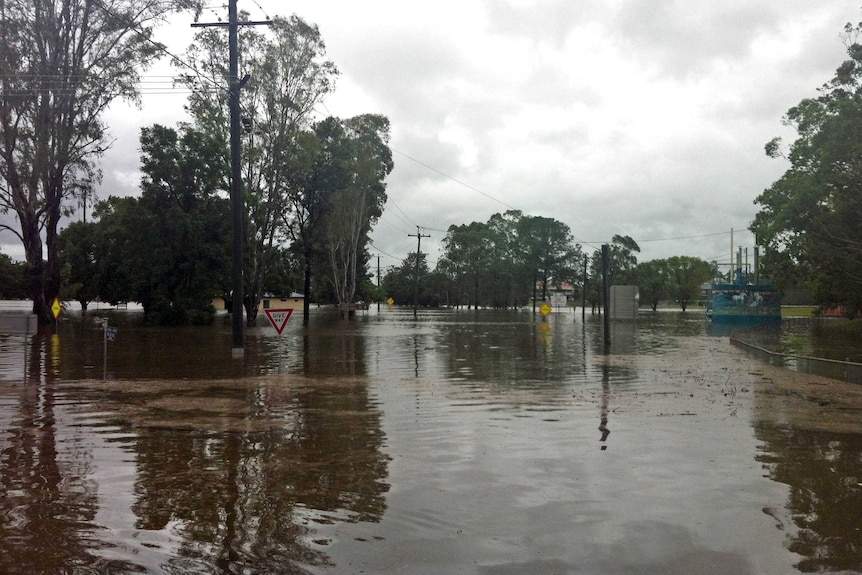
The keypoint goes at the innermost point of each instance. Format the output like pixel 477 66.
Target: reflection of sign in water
pixel 56 308
pixel 546 309
pixel 278 318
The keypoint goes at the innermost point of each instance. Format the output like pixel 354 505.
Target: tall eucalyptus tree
pixel 288 77
pixel 63 63
pixel 356 205
pixel 809 217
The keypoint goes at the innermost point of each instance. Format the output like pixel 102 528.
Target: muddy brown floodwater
pixel 451 442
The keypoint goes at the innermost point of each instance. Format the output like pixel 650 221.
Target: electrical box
pixel 625 301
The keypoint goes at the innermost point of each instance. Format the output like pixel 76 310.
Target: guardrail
pixel 844 370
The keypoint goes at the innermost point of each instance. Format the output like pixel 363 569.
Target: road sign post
pixel 109 334
pixel 278 318
pixel 56 308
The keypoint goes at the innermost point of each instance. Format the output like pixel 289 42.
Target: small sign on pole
pixel 56 308
pixel 546 309
pixel 278 318
pixel 110 335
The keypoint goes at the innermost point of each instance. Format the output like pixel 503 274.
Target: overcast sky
pixel 644 118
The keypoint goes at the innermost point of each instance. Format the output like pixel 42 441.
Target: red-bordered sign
pixel 278 318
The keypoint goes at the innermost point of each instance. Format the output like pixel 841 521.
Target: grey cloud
pixel 549 21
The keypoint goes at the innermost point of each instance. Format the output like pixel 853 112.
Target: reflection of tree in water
pixel 250 499
pixel 334 350
pixel 47 503
pixel 823 473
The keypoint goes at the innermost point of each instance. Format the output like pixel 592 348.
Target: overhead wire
pixel 454 179
pixel 161 47
pixel 159 88
pixel 391 225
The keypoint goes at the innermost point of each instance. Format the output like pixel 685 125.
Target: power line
pixel 454 179
pixel 160 47
pixel 391 225
pixel 410 223
pixel 686 237
pixel 372 244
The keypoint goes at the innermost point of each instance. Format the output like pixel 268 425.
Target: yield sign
pixel 278 318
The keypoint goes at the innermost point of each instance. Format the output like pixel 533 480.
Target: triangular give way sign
pixel 278 318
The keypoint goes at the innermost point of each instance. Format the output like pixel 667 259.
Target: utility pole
pixel 418 235
pixel 236 201
pixel 606 294
pixel 584 292
pixel 379 294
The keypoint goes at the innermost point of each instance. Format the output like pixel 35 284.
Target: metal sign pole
pixel 105 349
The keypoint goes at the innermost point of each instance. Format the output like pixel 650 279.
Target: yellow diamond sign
pixel 545 309
pixel 56 308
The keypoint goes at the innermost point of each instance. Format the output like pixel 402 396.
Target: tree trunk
pixel 35 266
pixel 52 273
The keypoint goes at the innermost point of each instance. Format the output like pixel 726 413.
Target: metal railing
pixel 843 370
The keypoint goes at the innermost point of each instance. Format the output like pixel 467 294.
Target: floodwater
pixel 447 442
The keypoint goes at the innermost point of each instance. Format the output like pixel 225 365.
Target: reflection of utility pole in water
pixel 416 354
pixel 606 392
pixel 231 527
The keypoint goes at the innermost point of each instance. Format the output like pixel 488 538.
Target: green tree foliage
pixel 548 251
pixel 284 275
pixel 400 283
pixel 288 77
pixel 358 202
pixel 653 280
pixel 809 218
pixel 169 248
pixel 468 260
pixel 336 191
pixel 687 275
pixel 622 253
pixel 63 62
pixel 504 261
pixel 79 252
pixel 623 260
pixel 318 158
pixel 13 278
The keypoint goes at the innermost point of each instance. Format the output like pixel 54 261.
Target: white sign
pixel 278 318
pixel 558 300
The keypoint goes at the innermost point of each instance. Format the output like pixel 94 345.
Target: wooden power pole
pixel 418 235
pixel 236 201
